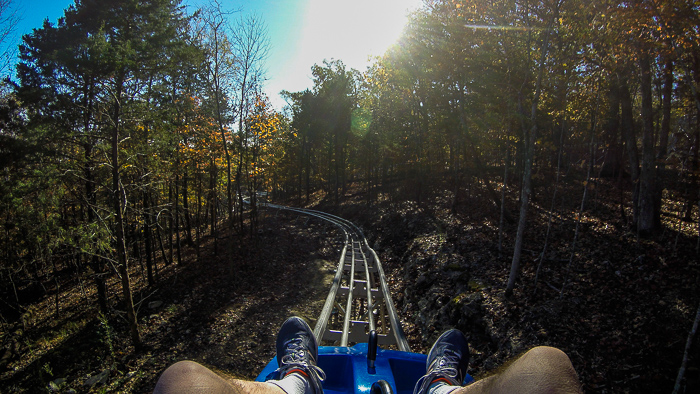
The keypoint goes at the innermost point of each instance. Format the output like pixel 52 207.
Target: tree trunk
pixel 476 153
pixel 149 238
pixel 686 352
pixel 524 202
pixel 530 139
pixel 122 258
pixel 666 110
pixel 162 247
pixel 503 203
pixel 663 140
pixel 368 173
pixel 242 139
pixel 171 222
pixel 97 263
pixel 628 133
pixel 543 255
pixel 612 166
pixel 91 197
pixel 198 212
pixel 579 216
pixel 307 180
pixel 336 166
pixel 57 297
pixel 176 213
pixel 213 202
pixel 648 219
pixel 227 154
pixel 696 170
pixel 239 188
pixel 691 196
pixel 186 208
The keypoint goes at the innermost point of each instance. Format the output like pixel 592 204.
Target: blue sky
pixel 302 32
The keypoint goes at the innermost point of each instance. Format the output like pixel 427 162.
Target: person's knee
pixel 178 375
pixel 183 368
pixel 542 369
pixel 554 369
pixel 551 356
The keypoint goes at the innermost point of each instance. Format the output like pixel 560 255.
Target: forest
pixel 136 139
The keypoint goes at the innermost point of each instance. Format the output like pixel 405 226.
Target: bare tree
pixel 647 219
pixel 215 34
pixel 9 18
pixel 251 45
pixel 530 137
pixel 543 255
pixel 506 162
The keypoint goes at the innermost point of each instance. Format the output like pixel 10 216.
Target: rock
pixel 470 309
pixel 98 379
pixel 55 385
pixel 154 304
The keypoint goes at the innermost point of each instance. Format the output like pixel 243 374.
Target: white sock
pixel 294 383
pixel 441 388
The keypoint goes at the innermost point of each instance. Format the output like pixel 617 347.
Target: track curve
pixel 359 300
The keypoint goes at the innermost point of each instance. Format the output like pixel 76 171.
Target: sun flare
pixel 352 30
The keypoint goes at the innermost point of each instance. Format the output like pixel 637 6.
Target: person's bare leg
pixel 191 377
pixel 540 370
pixel 297 372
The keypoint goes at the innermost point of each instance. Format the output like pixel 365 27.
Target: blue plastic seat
pixel 347 370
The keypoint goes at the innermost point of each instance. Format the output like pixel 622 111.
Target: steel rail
pixel 378 300
pixel 348 307
pixel 368 287
pixel 399 335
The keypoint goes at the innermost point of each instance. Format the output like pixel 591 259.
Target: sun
pixel 352 31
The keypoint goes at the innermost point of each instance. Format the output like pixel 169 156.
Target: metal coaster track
pixel 359 292
pixel 357 316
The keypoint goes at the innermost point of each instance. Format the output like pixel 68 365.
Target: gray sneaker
pixel 297 351
pixel 447 361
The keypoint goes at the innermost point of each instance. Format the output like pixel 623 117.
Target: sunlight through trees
pixel 135 131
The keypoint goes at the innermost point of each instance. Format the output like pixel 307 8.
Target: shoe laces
pixel 446 368
pixel 297 356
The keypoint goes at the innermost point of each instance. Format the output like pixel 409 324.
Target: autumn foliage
pixel 135 132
